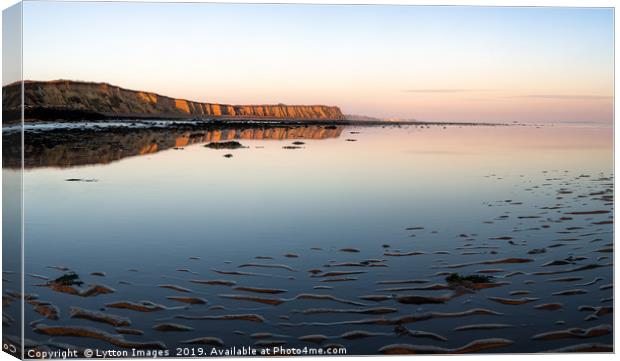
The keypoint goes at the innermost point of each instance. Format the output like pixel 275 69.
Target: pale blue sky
pixel 432 63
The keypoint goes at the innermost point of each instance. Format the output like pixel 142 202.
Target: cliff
pixel 64 99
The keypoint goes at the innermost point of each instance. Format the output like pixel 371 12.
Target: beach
pixel 452 239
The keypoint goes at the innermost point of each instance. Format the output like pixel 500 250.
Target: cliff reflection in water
pixel 99 145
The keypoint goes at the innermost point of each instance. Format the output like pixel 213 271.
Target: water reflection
pixel 100 145
pixel 360 231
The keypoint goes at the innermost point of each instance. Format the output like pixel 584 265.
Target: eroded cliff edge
pixel 66 99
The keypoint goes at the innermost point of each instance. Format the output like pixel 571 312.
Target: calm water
pixel 155 199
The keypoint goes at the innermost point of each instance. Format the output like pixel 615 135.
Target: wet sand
pixel 495 287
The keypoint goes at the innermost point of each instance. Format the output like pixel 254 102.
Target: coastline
pixel 76 101
pixel 77 116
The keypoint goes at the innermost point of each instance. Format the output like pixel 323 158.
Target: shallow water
pixel 146 201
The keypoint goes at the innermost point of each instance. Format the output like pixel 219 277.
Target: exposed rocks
pixel 114 320
pixel 232 144
pixel 260 290
pixel 98 335
pixel 350 250
pixel 176 288
pixel 171 327
pixel 402 330
pixel 375 298
pixel 584 347
pixel 574 333
pixel 313 338
pixel 475 346
pixel 483 326
pixel 129 331
pixel 240 317
pixel 420 300
pixel 144 306
pixel 367 311
pixel 215 282
pixel 189 300
pixel 263 265
pixel 572 292
pixel 268 301
pixel 211 341
pixel 513 301
pixel 46 309
pixel 549 306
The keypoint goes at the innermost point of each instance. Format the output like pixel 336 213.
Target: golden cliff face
pixel 110 100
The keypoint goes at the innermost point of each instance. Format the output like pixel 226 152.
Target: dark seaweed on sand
pixel 456 278
pixel 69 279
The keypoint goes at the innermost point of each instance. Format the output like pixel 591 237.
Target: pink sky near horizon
pixel 478 64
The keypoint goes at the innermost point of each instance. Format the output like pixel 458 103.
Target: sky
pixel 481 64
